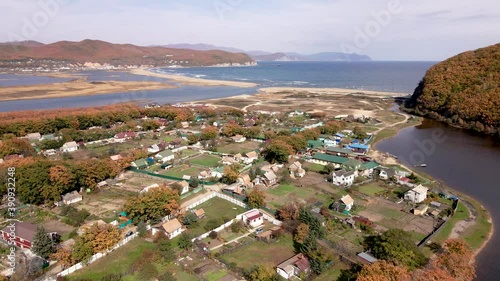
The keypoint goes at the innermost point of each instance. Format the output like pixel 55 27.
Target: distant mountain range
pixel 280 56
pixel 101 52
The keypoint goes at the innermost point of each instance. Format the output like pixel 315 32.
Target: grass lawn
pixel 383 134
pixel 116 262
pixel 206 160
pixel 314 167
pixel 333 272
pixel 187 152
pixel 235 148
pixel 287 192
pixel 215 208
pixel 371 189
pixel 215 275
pixel 180 171
pixel 461 213
pixel 478 233
pixel 259 252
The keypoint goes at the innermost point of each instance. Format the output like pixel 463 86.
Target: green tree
pixel 396 245
pixel 43 245
pixel 185 241
pixel 261 273
pixel 189 218
pixel 167 276
pixel 328 169
pixel 194 182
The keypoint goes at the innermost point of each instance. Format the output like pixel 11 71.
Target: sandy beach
pixel 330 91
pixel 193 81
pixel 77 87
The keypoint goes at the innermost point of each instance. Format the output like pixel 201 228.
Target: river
pixel 464 161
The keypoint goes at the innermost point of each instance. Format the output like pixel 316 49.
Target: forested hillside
pixel 463 91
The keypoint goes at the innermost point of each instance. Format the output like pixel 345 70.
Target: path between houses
pixel 231 241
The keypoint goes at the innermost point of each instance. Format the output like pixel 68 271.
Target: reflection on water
pixel 467 162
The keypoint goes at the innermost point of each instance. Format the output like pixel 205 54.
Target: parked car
pixel 259 230
pixel 129 234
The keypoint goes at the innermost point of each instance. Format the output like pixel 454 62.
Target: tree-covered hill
pixel 463 91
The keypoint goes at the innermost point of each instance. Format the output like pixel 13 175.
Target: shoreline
pixel 463 196
pixel 192 81
pixel 329 91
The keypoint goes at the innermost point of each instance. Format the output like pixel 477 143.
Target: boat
pixel 421 165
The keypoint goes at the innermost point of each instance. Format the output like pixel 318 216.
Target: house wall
pixel 282 273
pixel 21 243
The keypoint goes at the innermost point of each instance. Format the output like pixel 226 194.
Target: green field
pixel 235 148
pixel 215 208
pixel 314 167
pixel 461 213
pixel 259 252
pixel 283 193
pixel 371 189
pixel 116 262
pixel 206 160
pixel 179 171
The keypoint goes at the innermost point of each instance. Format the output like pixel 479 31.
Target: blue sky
pixel 382 29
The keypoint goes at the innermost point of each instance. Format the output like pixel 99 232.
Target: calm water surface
pixel 464 161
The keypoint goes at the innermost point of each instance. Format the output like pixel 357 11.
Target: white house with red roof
pixel 253 218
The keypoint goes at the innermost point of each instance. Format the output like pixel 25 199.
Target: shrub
pixel 213 235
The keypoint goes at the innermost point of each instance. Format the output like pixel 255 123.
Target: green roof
pixel 369 165
pixel 165 153
pixel 141 163
pixel 314 144
pixel 330 158
pixel 353 163
pixel 339 150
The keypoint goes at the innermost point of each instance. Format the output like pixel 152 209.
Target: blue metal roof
pixel 358 146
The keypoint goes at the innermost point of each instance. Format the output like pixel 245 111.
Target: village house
pixel 366 258
pixel 344 204
pixel 200 213
pixel 121 137
pixel 343 178
pixel 165 156
pixel 24 234
pixel 140 164
pixel 325 159
pixel 343 152
pixel 185 186
pixel 421 210
pixel 238 157
pixel 293 267
pixel 314 144
pixel 253 218
pixel 417 194
pixel 352 165
pixel 71 197
pixel 69 147
pixel 203 175
pixel 235 189
pixel 238 138
pixel 217 172
pixel 171 228
pixel 227 160
pixel 368 168
pixel 386 173
pixel 147 188
pixel 116 157
pixel 185 124
pixel 33 136
pixel 328 141
pixel 250 157
pixel 296 170
pixel 153 149
pixel 359 148
pixel 244 180
pixel 270 178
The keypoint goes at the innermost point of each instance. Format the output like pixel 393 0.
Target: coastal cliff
pixel 463 91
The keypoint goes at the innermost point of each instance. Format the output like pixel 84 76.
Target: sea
pixel 466 162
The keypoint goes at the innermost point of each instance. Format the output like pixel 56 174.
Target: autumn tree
pixel 301 233
pixel 232 129
pixel 310 134
pixel 456 260
pixel 230 175
pixel 289 211
pixel 256 198
pixel 64 257
pixel 209 133
pixel 383 271
pixel 101 237
pixel 43 245
pixel 152 205
pixel 278 151
pixel 261 273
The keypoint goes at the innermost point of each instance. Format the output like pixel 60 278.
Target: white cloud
pixel 424 30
